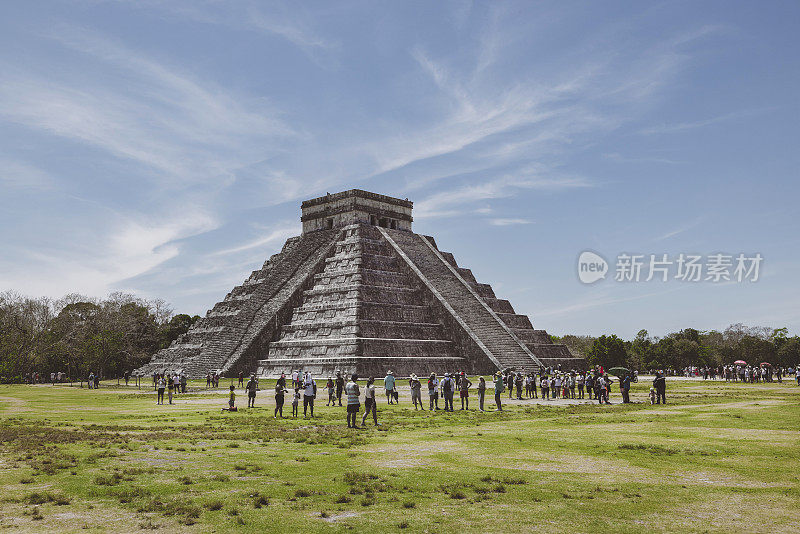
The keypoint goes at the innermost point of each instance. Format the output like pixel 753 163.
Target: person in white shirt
pixel 369 403
pixel 309 393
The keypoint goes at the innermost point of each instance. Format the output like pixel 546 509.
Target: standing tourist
pixel 339 386
pixel 498 390
pixel 183 383
pixel 280 391
pixel 433 390
pixel 580 380
pixel 660 384
pixel 481 392
pixel 241 378
pixel 161 384
pixel 170 388
pixel 463 385
pixel 518 383
pixel 624 388
pixel 416 391
pixel 252 387
pixel 370 404
pixel 353 402
pixel 309 393
pixel 295 401
pixel 510 384
pixel 389 384
pixel 448 385
pixel 331 387
pixel 544 384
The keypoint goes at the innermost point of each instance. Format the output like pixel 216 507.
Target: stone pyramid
pixel 358 291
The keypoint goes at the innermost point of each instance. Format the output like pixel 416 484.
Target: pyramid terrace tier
pixel 365 328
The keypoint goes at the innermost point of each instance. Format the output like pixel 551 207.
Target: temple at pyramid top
pixel 356 206
pixel 359 291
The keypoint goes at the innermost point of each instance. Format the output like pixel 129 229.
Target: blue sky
pixel 163 148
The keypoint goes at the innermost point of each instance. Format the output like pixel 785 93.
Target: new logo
pixel 591 267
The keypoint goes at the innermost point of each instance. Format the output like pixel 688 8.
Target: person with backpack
pixel 660 385
pixel 433 391
pixel 353 401
pixel 448 385
pixel 498 390
pixel 309 393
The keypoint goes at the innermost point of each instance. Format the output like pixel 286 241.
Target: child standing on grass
pixel 331 392
pixel 295 400
pixel 232 399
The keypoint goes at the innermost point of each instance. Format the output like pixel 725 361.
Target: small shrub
pixel 323 514
pixel 344 499
pixel 260 501
pixel 220 478
pixel 302 493
pixel 409 504
pixel 403 524
pixel 214 505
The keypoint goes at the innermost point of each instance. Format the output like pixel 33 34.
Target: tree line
pixel 689 347
pixel 77 335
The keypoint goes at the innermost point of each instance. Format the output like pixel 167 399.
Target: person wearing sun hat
pixel 389 384
pixel 498 389
pixel 433 391
pixel 416 391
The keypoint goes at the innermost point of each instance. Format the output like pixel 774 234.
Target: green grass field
pixel 719 457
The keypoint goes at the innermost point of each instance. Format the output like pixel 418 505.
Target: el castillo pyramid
pixel 358 291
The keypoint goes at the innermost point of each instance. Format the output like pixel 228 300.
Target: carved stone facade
pixel 358 291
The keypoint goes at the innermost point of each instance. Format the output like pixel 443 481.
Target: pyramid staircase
pixel 363 314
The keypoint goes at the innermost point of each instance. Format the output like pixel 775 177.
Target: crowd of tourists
pixel 172 383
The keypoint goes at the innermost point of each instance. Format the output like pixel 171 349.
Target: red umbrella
pixel 740 362
pixel 766 364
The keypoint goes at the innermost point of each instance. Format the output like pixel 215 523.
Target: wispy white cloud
pixel 692 125
pixel 509 222
pixel 441 203
pixel 16 174
pixel 185 129
pixel 685 227
pixel 276 236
